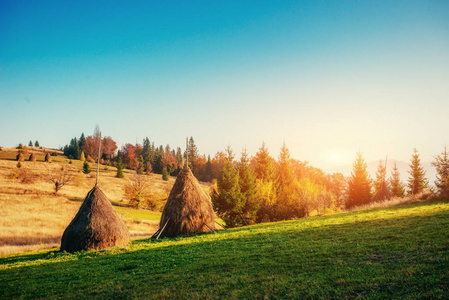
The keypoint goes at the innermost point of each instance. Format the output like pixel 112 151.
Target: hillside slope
pixel 396 252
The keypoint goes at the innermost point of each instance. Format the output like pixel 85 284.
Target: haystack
pixel 188 208
pixel 19 157
pixel 48 158
pixel 32 157
pixel 96 225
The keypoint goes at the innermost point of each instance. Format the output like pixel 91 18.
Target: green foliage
pixel 141 166
pixel 36 144
pixel 229 202
pixel 416 182
pixel 397 187
pixel 441 164
pixel 30 143
pixel 359 186
pixel 264 167
pixel 86 168
pixel 165 174
pixel 381 188
pixel 247 184
pixel 193 154
pixel 119 169
pixel 392 253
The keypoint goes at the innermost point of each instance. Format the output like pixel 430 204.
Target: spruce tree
pixel 36 144
pixel 396 185
pixel 381 189
pixel 247 183
pixel 30 143
pixel 164 174
pixel 192 152
pixel 264 165
pixel 441 164
pixel 82 141
pixel 119 168
pixel 208 170
pixel 229 202
pixel 416 182
pixel 359 186
pixel 285 206
pixel 86 168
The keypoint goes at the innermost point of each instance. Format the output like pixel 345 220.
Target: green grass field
pixel 396 252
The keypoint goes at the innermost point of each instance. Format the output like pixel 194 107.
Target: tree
pixel 140 166
pixel 381 189
pixel 285 204
pixel 165 174
pixel 82 141
pixel 247 184
pixel 30 143
pixel 359 186
pixel 416 182
pixel 36 144
pixel 192 152
pixel 264 164
pixel 396 185
pixel 119 168
pixel 60 177
pixel 136 191
pixel 86 168
pixel 229 202
pixel 441 164
pixel 109 147
pixel 82 156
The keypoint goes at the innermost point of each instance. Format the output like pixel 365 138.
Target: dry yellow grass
pixel 33 217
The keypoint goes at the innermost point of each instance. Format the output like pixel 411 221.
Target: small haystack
pixel 96 225
pixel 48 158
pixel 32 157
pixel 20 157
pixel 188 208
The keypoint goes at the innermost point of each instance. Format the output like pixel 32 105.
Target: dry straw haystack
pixel 32 157
pixel 188 208
pixel 48 158
pixel 96 225
pixel 19 157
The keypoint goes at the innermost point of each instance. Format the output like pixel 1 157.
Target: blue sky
pixel 329 78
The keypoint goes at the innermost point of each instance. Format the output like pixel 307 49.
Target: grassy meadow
pixel 32 217
pixel 393 252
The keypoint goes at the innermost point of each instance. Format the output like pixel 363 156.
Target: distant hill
pixel 403 168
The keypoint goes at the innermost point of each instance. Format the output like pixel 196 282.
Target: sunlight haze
pixel 329 78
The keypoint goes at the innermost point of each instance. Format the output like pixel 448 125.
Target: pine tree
pixel 285 206
pixel 397 187
pixel 247 183
pixel 164 174
pixel 119 168
pixel 36 144
pixel 208 170
pixel 229 202
pixel 441 163
pixel 359 186
pixel 381 189
pixel 141 166
pixel 82 141
pixel 86 168
pixel 192 152
pixel 416 182
pixel 264 165
pixel 30 143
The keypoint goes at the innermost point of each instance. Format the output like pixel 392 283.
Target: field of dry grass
pixel 33 217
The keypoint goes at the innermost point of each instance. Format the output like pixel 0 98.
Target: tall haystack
pixel 96 225
pixel 188 208
pixel 48 158
pixel 32 157
pixel 19 157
